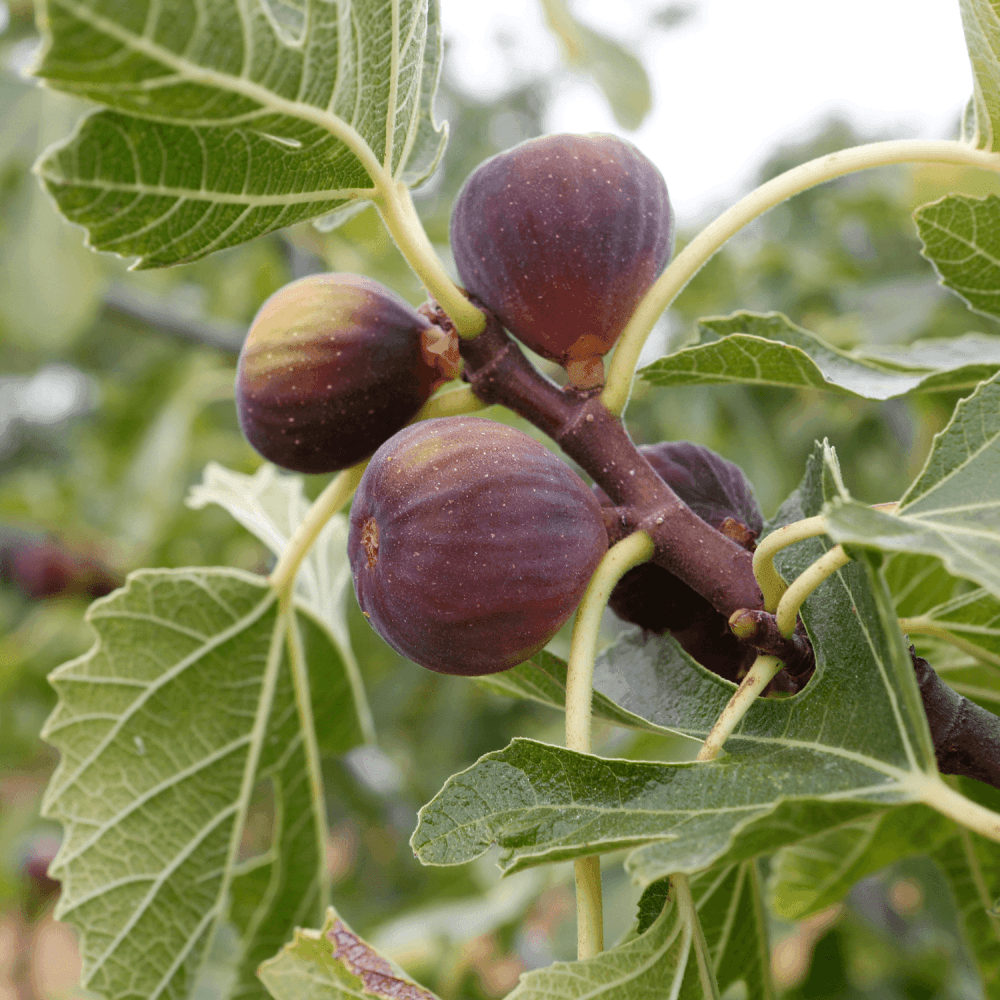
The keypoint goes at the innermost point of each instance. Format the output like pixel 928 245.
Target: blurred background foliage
pixel 116 389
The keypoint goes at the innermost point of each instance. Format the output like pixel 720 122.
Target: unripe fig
pixel 652 597
pixel 333 365
pixel 561 237
pixel 471 544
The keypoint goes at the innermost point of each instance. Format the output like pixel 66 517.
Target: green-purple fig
pixel 333 365
pixel 471 544
pixel 561 237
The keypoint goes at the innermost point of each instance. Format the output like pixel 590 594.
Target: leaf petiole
pixel 804 584
pixel 619 559
pixel 396 207
pixel 337 492
pixel 759 676
pixel 770 583
pixel 693 257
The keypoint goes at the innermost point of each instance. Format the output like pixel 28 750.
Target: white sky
pixel 735 79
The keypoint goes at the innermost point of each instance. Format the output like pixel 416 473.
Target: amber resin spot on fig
pixel 369 541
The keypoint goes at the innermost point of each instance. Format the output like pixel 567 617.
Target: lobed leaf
pixel 794 768
pixel 188 785
pixel 981 21
pixel 952 510
pixel 972 868
pixel 768 349
pixel 231 120
pixel 700 943
pixel 816 872
pixel 960 235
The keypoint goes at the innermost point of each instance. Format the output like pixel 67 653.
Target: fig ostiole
pixel 561 237
pixel 471 544
pixel 333 365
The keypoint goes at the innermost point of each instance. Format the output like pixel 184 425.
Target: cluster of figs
pixel 470 543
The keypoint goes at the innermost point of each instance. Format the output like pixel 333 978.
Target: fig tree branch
pixel 710 563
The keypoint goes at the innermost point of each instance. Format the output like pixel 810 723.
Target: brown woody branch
pixel 966 737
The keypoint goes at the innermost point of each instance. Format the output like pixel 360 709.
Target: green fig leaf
pixel 981 21
pixel 952 510
pixel 238 119
pixel 208 697
pixel 960 236
pixel 768 349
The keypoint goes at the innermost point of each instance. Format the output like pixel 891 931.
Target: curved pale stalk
pixel 763 670
pixel 452 403
pixel 400 217
pixel 804 584
pixel 337 492
pixel 956 806
pixel 618 560
pixel 693 257
pixel 770 583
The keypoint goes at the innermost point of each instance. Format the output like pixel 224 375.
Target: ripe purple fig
pixel 471 544
pixel 333 365
pixel 652 597
pixel 561 237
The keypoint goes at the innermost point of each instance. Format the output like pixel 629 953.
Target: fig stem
pixel 617 561
pixel 759 676
pixel 804 584
pixel 694 256
pixel 770 582
pixel 336 493
pixel 400 217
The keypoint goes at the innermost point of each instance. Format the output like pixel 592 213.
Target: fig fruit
pixel 560 237
pixel 333 365
pixel 471 544
pixel 652 597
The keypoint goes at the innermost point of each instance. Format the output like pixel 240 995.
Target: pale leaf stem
pixel 452 403
pixel 770 583
pixel 692 258
pixel 307 721
pixel 804 584
pixel 337 492
pixel 759 676
pixel 924 626
pixel 688 912
pixel 619 559
pixel 404 225
pixel 956 806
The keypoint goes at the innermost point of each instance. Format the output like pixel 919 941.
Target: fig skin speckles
pixel 486 543
pixel 561 237
pixel 331 368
